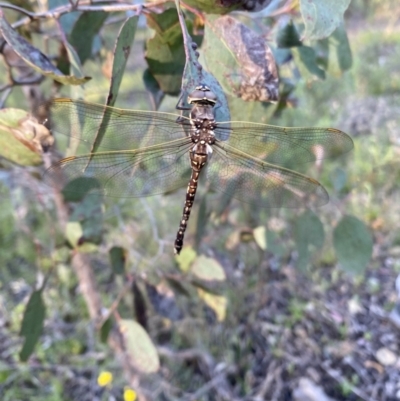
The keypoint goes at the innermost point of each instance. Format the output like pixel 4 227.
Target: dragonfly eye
pixel 203 87
pixel 202 94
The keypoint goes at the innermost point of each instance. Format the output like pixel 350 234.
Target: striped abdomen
pixel 197 160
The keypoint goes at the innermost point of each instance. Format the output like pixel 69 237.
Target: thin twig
pixel 86 5
pixel 285 9
pixel 266 384
pixel 127 286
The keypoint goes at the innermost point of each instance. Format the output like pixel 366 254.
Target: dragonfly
pixel 144 153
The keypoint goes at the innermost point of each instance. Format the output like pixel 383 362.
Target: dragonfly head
pixel 202 95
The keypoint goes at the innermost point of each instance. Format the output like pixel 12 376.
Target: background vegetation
pixel 262 304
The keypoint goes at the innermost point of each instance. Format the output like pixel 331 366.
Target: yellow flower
pixel 129 394
pixel 104 379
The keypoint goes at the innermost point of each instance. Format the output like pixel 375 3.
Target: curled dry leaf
pixel 22 137
pixel 255 75
pixel 34 57
pixel 33 134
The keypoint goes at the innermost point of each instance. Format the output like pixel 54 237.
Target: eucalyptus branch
pixel 85 5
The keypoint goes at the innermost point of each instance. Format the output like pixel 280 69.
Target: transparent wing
pixel 284 146
pixel 261 184
pixel 125 129
pixel 135 173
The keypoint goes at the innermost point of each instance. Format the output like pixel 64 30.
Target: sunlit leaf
pixel 74 233
pixel 260 236
pixel 216 302
pixel 186 258
pixel 139 346
pixel 208 269
pixel 74 61
pixel 322 17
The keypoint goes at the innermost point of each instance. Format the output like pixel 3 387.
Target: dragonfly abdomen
pixel 197 161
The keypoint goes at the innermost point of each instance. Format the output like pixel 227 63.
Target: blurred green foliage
pixel 132 238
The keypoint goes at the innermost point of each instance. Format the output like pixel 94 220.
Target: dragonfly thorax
pixel 202 119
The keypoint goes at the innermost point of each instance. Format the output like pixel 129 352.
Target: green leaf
pixel 186 258
pixel 22 137
pixel 139 346
pixel 34 57
pixel 165 54
pixel 84 31
pixel 353 244
pixel 105 329
pixel 89 214
pixel 322 17
pixel 75 66
pixel 288 36
pixel 121 54
pixel 251 111
pixel 194 74
pixel 208 269
pixel 308 231
pixel 74 233
pixel 85 185
pixel 309 59
pixel 343 50
pixel 322 51
pixel 117 259
pixel 122 50
pixel 32 324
